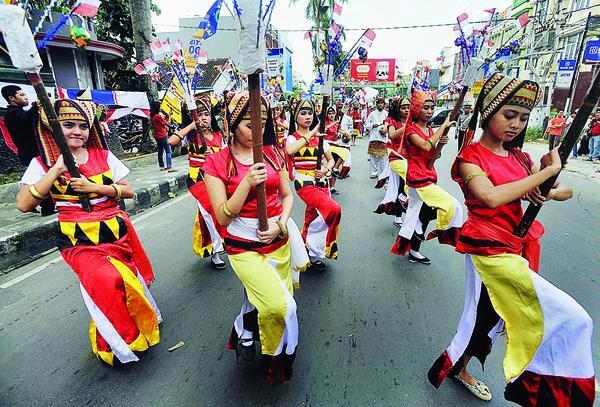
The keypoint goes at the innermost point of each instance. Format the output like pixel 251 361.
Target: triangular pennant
pixel 91 230
pixel 68 229
pixel 111 225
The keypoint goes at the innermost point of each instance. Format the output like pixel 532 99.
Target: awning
pixel 106 50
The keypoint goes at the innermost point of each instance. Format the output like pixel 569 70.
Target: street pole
pixel 575 77
pixel 142 28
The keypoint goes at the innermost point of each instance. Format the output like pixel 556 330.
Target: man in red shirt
pixel 595 139
pixel 160 127
pixel 555 129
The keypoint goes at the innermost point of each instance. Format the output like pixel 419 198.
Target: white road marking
pixel 56 259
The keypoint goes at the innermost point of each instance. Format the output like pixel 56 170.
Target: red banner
pixel 373 70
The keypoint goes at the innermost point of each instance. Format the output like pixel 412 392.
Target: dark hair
pixel 10 91
pixel 315 122
pixel 154 108
pixel 394 110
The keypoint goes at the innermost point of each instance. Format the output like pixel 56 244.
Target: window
pixel 542 11
pixel 571 45
pixel 579 4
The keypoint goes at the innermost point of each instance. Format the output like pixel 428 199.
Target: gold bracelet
pixel 118 191
pixel 35 193
pixel 226 211
pixel 472 175
pixel 179 136
pixel 284 229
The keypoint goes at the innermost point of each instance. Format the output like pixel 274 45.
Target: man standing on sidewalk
pixel 377 137
pixel 555 130
pixel 463 123
pixel 595 139
pixel 160 127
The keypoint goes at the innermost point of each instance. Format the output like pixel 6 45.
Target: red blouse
pixel 220 165
pixel 332 132
pixel 396 144
pixel 196 158
pixel 500 170
pixel 418 175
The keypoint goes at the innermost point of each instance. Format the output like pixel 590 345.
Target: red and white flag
pixel 87 8
pixel 139 69
pixel 165 46
pixel 202 57
pixel 456 28
pixel 491 11
pixel 308 35
pixel 337 11
pixel 149 64
pixel 489 43
pixel 335 27
pixel 156 48
pixel 178 51
pixel 463 17
pixel 368 38
pixel 523 19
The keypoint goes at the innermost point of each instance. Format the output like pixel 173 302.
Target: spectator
pixel 594 143
pixel 20 123
pixel 555 130
pixel 463 123
pixel 568 124
pixel 160 127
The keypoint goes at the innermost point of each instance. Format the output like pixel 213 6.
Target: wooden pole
pixel 322 119
pixel 589 102
pixel 257 146
pixel 453 115
pixel 59 137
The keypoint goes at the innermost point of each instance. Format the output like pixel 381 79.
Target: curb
pixel 28 245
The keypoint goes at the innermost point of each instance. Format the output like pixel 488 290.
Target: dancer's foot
pixel 217 262
pixel 334 191
pixel 318 265
pixel 246 349
pixel 477 388
pixel 416 257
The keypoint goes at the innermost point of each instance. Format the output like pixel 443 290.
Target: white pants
pixel 377 164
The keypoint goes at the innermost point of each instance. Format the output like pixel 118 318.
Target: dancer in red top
pixel 267 263
pixel 548 359
pixel 323 214
pixel 395 200
pixel 340 153
pixel 206 239
pixel 101 246
pixel 426 200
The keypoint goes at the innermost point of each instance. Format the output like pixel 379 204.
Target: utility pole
pixel 142 32
pixel 575 77
pixel 558 24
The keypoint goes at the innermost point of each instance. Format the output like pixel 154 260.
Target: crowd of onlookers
pixel 589 139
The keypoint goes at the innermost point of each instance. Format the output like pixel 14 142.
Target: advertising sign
pixel 564 75
pixel 275 62
pixel 477 86
pixel 373 70
pixel 591 54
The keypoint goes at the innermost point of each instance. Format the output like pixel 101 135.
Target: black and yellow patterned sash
pixel 61 189
pixel 73 234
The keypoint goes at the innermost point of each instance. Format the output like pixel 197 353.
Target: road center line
pixel 56 259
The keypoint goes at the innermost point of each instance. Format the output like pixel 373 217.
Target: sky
pixel 405 45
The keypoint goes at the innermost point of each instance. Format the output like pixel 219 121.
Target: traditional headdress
pixel 296 107
pixel 417 101
pixel 331 109
pixel 238 109
pixel 67 109
pixel 498 91
pixel 204 102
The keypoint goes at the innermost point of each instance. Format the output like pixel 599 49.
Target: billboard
pixel 592 52
pixel 373 70
pixel 564 75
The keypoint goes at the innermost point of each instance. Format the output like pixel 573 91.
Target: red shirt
pixel 595 127
pixel 159 126
pixel 220 165
pixel 418 175
pixel 397 144
pixel 500 170
pixel 332 132
pixel 196 158
pixel 557 121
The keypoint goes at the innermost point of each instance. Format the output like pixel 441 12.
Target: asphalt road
pixel 370 326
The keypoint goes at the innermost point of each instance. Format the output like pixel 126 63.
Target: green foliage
pixel 114 25
pixel 534 134
pixel 10 178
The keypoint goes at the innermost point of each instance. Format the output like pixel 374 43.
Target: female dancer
pixel 426 200
pixel 323 214
pixel 281 125
pixel 263 261
pixel 548 359
pixel 395 199
pixel 339 152
pixel 206 240
pixel 101 246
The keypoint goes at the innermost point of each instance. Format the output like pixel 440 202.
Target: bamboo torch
pixel 589 102
pixel 253 51
pixel 24 56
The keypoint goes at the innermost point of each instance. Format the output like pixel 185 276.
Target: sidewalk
pixel 25 237
pixel 579 167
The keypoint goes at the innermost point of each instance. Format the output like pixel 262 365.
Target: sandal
pixel 480 390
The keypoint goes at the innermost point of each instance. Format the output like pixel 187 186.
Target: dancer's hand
pixel 82 185
pixel 448 123
pixel 270 234
pixel 59 167
pixel 256 174
pixel 444 139
pixel 535 197
pixel 551 160
pixel 322 173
